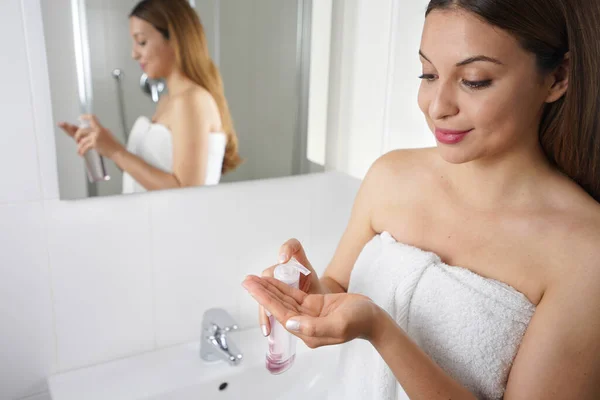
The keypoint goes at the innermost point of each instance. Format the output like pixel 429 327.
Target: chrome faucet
pixel 215 344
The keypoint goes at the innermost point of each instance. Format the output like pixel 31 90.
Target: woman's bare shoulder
pixel 404 162
pixel 196 103
pixel 193 98
pixel 400 171
pixel 572 233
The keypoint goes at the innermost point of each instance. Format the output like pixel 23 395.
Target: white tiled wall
pixel 94 280
pixel 101 277
pixel 27 335
pixel 82 282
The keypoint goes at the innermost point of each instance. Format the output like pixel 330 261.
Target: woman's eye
pixel 477 84
pixel 427 77
pixel 467 83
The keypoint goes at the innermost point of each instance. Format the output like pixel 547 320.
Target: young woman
pixel 472 270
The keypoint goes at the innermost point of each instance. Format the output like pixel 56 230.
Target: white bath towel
pixel 469 325
pixel 154 144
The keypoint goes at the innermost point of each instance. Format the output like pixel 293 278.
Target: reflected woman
pixel 190 140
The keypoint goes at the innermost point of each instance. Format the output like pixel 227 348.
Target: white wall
pixel 373 82
pixel 82 282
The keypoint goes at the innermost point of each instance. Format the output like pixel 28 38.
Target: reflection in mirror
pixel 163 94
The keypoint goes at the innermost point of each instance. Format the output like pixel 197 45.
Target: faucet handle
pixel 218 319
pixel 215 343
pixel 231 328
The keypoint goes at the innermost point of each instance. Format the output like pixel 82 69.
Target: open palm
pixel 317 319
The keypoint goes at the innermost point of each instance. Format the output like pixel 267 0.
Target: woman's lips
pixel 448 136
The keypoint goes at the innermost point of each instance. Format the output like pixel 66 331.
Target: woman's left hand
pixel 317 319
pixel 96 137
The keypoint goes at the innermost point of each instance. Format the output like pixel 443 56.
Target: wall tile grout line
pixel 153 272
pixel 40 186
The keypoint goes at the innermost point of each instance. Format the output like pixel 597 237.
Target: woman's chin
pixel 455 153
pixel 152 75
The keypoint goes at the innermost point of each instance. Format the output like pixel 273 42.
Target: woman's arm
pixel 559 357
pixel 419 375
pixel 359 231
pixel 148 176
pixel 194 116
pixel 97 137
pixel 322 320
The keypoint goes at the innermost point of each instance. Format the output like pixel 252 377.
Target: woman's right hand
pixel 92 136
pixel 308 284
pixel 69 129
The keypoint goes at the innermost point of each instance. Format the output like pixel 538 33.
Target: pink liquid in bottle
pixel 282 348
pixel 282 344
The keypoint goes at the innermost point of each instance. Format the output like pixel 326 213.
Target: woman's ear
pixel 559 80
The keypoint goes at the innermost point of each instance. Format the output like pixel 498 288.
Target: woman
pixel 190 140
pixel 510 194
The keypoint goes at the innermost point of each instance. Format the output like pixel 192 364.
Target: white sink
pixel 178 373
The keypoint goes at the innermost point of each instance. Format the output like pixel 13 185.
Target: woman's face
pixel 481 92
pixel 150 48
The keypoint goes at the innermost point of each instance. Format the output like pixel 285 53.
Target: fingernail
pixel 264 330
pixel 292 325
pixel 282 258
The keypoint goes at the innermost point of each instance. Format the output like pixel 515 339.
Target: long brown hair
pixel 179 23
pixel 569 131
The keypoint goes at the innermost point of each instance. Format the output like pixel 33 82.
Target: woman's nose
pixel 443 103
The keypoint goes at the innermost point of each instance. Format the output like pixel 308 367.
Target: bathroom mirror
pixel 262 49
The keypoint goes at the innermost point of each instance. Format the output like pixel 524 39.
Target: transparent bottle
pixel 94 162
pixel 282 344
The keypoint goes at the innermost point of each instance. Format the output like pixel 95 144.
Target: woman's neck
pixel 177 83
pixel 510 179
